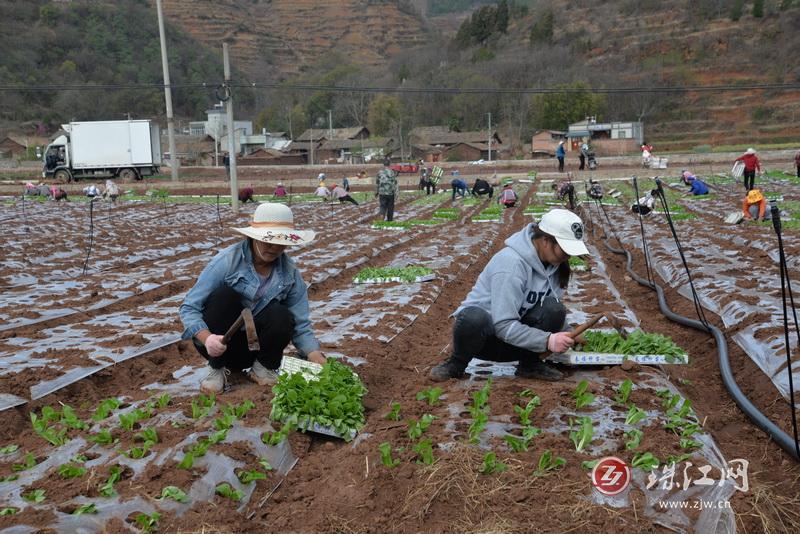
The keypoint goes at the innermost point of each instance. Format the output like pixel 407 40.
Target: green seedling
pixel 624 392
pixel 416 428
pixel 115 474
pixel 225 421
pixel 80 459
pixel 163 401
pixel 28 462
pixel 8 511
pixel 276 438
pixel 49 433
pixel 71 471
pixel 70 419
pixel 218 436
pixel 516 444
pixel 637 342
pixel 481 397
pixel 581 395
pixel 548 463
pixel 148 522
pixel 582 436
pixel 265 464
pixel 148 434
pixel 431 395
pixel 246 477
pixel 529 432
pixel 187 462
pixel 688 443
pixel 137 453
pixel 394 414
pixel 635 414
pixel 425 451
pixel 525 413
pixel 385 449
pixel 677 459
pixel 634 439
pixel 8 449
pixel 202 405
pixel 405 274
pixel 9 478
pixel 227 491
pixel 479 421
pixel 174 493
pixel 589 464
pixel 90 508
pixel 35 496
pixel 526 393
pixel 645 461
pixel 492 465
pixel 127 421
pixel 103 437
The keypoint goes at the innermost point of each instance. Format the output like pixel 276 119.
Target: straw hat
pixel 274 223
pixel 750 151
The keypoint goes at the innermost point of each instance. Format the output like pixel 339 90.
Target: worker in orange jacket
pixel 754 205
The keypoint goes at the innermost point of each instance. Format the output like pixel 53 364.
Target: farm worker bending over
pixel 751 165
pixel 111 192
pixel 91 191
pixel 322 192
pixel 341 194
pixel 508 197
pixel 246 195
pixel 646 203
pixel 257 274
pixel 482 187
pixel 280 191
pixel 514 311
pixel 385 190
pixel 754 205
pixel 687 177
pixel 696 186
pixel 459 187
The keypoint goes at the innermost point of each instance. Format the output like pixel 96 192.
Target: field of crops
pixel 105 429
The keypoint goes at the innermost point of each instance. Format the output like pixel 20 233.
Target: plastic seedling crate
pixel 310 370
pixel 572 357
pixel 423 278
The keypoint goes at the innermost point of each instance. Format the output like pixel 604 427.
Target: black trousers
pixel 560 164
pixel 474 337
pixel 386 209
pixel 749 179
pixel 347 198
pixel 430 187
pixel 582 158
pixel 274 324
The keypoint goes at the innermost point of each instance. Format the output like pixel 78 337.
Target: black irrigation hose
pixel 780 437
pixel 786 286
pixel 641 227
pixel 91 235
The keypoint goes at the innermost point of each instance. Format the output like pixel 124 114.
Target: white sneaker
pixel 261 375
pixel 215 380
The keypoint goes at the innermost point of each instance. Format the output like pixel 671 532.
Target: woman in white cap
pixel 752 165
pixel 257 274
pixel 514 312
pixel 560 153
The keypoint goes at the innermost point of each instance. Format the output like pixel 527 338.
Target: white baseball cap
pixel 567 228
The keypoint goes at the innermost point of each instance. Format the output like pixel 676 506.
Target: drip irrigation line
pixel 786 287
pixel 697 306
pixel 24 214
pixel 641 227
pixel 91 235
pixel 775 433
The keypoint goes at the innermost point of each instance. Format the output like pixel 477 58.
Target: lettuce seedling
pixel 515 443
pixel 187 462
pixel 645 461
pixel 28 462
pixel 548 463
pixel 431 395
pixel 148 522
pixel 8 511
pixel 174 493
pixel 425 451
pixel 246 477
pixel 265 464
pixel 9 478
pixel 394 414
pixel 148 434
pixel 105 408
pixel 492 465
pixel 36 496
pixel 8 449
pixel 163 400
pixel 589 464
pixel 103 437
pixel 226 490
pixel 385 449
pixel 635 414
pixel 581 395
pixel 70 419
pixel 115 474
pixel 582 436
pixel 71 471
pixel 634 439
pixel 688 443
pixel 624 392
pixel 202 405
pixel 673 459
pixel 416 428
pixel 89 508
pixel 525 413
pixel 479 421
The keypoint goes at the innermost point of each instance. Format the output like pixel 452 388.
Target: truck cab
pixel 56 160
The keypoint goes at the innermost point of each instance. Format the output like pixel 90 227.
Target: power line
pixel 412 90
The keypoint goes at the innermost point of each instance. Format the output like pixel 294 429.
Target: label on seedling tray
pixel 376 227
pixel 572 357
pixel 485 220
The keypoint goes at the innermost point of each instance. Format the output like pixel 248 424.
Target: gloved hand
pixel 214 345
pixel 559 342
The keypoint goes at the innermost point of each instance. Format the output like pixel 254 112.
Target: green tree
pixel 758 8
pixel 736 10
pixel 501 17
pixel 542 30
pixel 384 113
pixel 557 110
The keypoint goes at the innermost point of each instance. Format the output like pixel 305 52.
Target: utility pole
pixel 311 148
pixel 174 162
pixel 330 123
pixel 231 140
pixel 490 137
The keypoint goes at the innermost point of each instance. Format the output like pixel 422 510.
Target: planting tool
pixel 617 324
pixel 246 318
pixel 580 329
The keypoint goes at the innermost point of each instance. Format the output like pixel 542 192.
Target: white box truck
pixel 121 149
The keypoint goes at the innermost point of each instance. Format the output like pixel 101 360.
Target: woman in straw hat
pixel 752 165
pixel 257 274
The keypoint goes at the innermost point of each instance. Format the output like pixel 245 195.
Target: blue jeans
pixel 474 336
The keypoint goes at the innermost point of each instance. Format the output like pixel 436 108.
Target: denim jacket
pixel 233 266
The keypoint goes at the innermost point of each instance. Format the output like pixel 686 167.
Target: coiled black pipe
pixel 780 437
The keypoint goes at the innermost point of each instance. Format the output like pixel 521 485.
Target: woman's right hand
pixel 214 346
pixel 559 342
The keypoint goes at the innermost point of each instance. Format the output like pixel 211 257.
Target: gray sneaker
pixel 451 368
pixel 261 375
pixel 215 380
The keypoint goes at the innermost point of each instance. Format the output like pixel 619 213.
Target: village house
pixel 607 138
pixel 438 143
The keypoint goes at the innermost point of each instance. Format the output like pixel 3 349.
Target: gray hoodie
pixel 513 282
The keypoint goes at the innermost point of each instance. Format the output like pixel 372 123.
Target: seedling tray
pixel 485 220
pixel 572 357
pixel 423 278
pixel 375 227
pixel 310 370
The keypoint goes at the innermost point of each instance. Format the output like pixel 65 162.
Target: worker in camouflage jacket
pixel 386 190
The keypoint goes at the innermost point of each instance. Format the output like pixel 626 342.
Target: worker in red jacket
pixel 751 166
